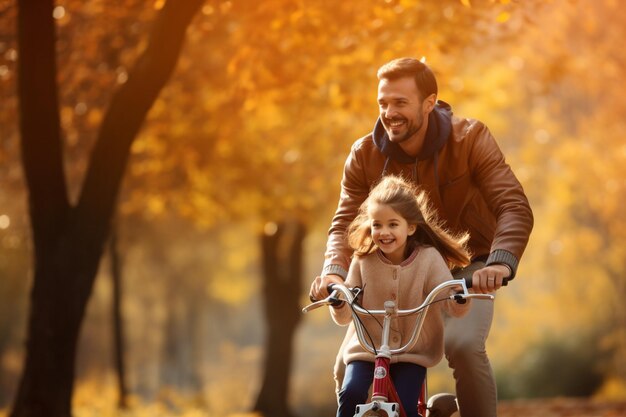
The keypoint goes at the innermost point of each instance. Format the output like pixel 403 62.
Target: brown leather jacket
pixel 467 180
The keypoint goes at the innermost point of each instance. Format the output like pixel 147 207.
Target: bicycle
pixel 384 401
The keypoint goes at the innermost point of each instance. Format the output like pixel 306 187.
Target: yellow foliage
pixel 94 117
pixel 613 389
pixel 503 17
pixel 155 204
pixel 230 288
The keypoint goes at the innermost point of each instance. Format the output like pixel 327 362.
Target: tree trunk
pixel 68 241
pixel 282 277
pixel 181 361
pixel 119 345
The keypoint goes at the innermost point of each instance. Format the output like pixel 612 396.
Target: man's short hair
pixel 410 67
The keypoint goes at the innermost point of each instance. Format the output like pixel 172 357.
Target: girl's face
pixel 389 231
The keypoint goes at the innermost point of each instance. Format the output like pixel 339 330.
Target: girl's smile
pixel 389 231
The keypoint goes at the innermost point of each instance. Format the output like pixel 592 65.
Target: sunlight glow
pixel 456 84
pixel 516 62
pixel 270 229
pixel 58 12
pixel 542 136
pixel 448 12
pixel 5 222
pixel 556 247
pixel 122 75
pixel 291 156
pixel 11 55
pixel 80 108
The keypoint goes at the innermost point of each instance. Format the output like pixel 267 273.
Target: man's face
pixel 401 109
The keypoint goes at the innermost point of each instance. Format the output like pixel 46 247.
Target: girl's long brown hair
pixel 412 204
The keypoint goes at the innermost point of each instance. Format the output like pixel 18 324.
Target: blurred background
pixel 233 179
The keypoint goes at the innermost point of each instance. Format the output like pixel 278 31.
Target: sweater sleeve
pixel 343 315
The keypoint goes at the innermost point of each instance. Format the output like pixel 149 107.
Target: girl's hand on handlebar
pixel 319 287
pixel 490 278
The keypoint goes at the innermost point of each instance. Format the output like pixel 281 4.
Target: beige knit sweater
pixel 407 284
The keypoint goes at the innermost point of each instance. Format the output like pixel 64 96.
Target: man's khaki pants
pixel 465 351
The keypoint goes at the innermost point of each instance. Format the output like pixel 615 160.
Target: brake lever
pixel 314 305
pixel 461 298
pixel 332 300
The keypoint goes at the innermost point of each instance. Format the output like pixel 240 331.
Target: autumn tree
pixel 68 238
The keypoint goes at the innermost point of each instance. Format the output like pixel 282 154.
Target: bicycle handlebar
pixel 341 293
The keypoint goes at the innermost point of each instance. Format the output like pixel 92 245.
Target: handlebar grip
pixel 329 288
pixel 335 302
pixel 468 282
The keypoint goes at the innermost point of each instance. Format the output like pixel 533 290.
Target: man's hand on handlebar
pixel 490 278
pixel 319 287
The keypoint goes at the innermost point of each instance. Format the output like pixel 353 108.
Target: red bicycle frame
pixel 384 394
pixel 384 389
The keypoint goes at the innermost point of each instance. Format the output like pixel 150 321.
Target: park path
pixel 561 407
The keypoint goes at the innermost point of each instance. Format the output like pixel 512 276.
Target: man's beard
pixel 410 130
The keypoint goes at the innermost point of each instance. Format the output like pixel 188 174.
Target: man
pixel 457 161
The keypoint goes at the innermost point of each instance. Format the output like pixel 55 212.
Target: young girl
pixel 401 254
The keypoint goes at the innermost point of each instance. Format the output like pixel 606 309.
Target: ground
pixel 561 407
